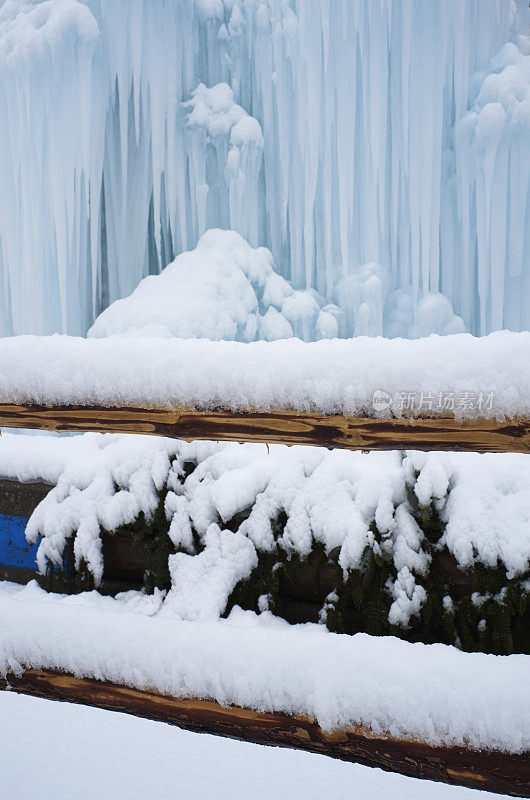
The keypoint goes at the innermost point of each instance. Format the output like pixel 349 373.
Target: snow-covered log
pixel 453 392
pixel 494 771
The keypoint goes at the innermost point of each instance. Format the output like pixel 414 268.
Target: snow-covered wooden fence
pixel 442 393
pixel 468 394
pixel 492 771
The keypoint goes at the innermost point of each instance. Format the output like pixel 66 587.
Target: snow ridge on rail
pixel 432 693
pixel 458 375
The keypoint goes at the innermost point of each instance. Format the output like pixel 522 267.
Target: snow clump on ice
pixel 224 289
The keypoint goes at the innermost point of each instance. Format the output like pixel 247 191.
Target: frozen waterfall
pixel 379 148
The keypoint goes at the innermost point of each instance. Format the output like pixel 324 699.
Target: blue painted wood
pixel 14 549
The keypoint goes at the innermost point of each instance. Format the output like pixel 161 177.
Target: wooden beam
pixel 491 771
pixel 283 427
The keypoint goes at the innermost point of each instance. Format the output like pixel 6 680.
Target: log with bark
pixel 492 771
pixel 282 427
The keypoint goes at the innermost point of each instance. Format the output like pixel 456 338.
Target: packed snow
pixel 369 146
pixel 224 289
pixel 460 374
pixel 48 745
pixel 262 662
pixel 332 498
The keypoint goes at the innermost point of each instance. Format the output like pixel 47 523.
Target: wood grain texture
pixel 492 771
pixel 283 427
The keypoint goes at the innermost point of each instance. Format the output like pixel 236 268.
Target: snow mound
pixel 31 30
pixel 224 289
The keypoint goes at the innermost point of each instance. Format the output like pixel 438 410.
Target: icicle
pixel 362 132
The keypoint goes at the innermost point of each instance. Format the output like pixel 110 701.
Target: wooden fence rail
pixel 283 427
pixel 491 771
pixel 494 771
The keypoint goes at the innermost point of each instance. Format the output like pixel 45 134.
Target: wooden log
pixel 492 771
pixel 20 499
pixel 122 560
pixel 283 427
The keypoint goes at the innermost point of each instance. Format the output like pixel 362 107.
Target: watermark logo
pixel 381 400
pixel 436 402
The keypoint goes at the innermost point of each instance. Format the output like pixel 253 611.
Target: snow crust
pixel 260 662
pixel 113 158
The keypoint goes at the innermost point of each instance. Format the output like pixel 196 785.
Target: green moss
pixel 487 611
pixel 152 537
pixel 66 579
pixel 500 624
pixel 264 580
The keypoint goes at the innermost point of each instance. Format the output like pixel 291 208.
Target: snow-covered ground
pixel 60 751
pixel 434 693
pixel 460 374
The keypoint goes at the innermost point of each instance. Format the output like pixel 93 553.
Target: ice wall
pixel 379 149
